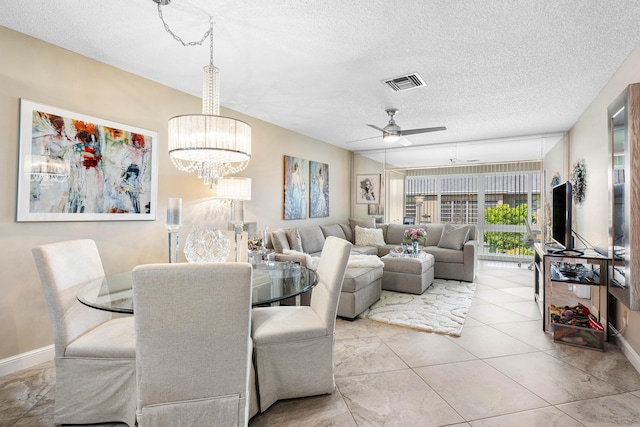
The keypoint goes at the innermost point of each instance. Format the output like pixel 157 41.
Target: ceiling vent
pixel 406 82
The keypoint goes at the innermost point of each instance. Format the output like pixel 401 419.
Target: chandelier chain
pixel 209 33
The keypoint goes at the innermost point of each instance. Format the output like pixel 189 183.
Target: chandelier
pixel 211 145
pixel 47 170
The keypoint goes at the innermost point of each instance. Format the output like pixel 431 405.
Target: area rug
pixel 442 308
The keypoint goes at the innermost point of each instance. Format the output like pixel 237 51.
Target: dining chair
pixel 193 344
pixel 293 345
pixel 94 352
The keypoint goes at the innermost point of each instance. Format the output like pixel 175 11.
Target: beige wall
pixel 46 74
pixel 588 141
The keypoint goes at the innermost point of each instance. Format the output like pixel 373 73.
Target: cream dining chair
pixel 293 345
pixel 94 353
pixel 193 349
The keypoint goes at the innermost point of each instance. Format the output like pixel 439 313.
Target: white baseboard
pixel 26 360
pixel 627 350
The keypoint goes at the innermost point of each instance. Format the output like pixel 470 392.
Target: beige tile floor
pixel 502 371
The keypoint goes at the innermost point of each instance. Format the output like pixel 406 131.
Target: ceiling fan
pixel 392 132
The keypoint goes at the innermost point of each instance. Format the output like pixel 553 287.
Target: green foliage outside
pixel 502 241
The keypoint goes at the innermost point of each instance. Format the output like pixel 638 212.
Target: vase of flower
pixel 414 236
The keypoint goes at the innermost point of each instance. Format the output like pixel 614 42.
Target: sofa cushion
pixel 356 278
pixel 446 255
pixel 395 233
pixel 348 233
pixel 312 239
pixel 434 232
pixel 333 230
pixel 364 223
pixel 472 232
pixel 294 239
pixel 453 236
pixel 369 237
pixel 364 250
pixel 279 241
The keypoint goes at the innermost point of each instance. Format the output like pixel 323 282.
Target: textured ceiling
pixel 495 70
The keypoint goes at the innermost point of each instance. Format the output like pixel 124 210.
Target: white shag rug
pixel 442 308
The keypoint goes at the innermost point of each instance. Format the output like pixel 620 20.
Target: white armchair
pixel 193 345
pixel 293 345
pixel 94 353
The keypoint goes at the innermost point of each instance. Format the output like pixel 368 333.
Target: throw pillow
pixel 279 241
pixel 453 237
pixel 369 236
pixel 364 223
pixel 295 243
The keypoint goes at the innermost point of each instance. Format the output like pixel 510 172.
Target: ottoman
pixel 361 287
pixel 407 274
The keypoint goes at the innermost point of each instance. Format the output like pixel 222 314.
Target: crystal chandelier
pixel 211 145
pixel 47 170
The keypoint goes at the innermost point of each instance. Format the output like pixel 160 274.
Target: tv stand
pixel 559 271
pixel 551 248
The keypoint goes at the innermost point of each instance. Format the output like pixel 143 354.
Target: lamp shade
pixel 232 188
pixel 212 146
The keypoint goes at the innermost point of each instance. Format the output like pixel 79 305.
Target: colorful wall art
pixel 79 168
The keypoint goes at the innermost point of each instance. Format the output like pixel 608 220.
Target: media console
pixel 572 318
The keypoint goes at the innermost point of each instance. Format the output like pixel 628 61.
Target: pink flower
pixel 415 234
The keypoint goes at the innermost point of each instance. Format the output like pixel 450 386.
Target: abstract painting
pixel 368 189
pixel 318 190
pixel 79 168
pixel 296 188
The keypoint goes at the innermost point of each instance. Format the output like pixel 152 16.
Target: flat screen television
pixel 561 216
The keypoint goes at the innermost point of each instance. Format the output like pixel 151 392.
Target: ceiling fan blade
pixel 376 128
pixel 362 139
pixel 423 130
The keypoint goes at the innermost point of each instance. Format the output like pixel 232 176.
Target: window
pixel 500 203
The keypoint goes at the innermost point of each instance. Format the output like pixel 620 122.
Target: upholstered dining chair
pixel 293 345
pixel 193 344
pixel 94 353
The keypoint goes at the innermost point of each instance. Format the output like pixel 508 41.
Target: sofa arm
pixel 470 256
pixel 297 258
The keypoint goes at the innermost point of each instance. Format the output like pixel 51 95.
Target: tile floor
pixel 502 371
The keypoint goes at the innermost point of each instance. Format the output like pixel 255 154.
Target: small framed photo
pixel 75 167
pixel 409 220
pixel 373 209
pixel 368 189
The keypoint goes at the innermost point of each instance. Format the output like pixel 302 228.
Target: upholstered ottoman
pixel 361 287
pixel 405 274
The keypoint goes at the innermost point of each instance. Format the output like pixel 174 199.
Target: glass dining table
pixel 272 282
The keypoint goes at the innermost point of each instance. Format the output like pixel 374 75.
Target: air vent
pixel 400 83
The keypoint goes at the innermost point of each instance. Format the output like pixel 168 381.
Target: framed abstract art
pixel 296 187
pixel 75 167
pixel 318 190
pixel 368 189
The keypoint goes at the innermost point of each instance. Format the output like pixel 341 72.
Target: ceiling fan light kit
pixel 393 133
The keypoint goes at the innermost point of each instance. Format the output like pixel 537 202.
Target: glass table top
pixel 272 282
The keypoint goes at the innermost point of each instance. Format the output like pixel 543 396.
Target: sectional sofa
pixel 454 248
